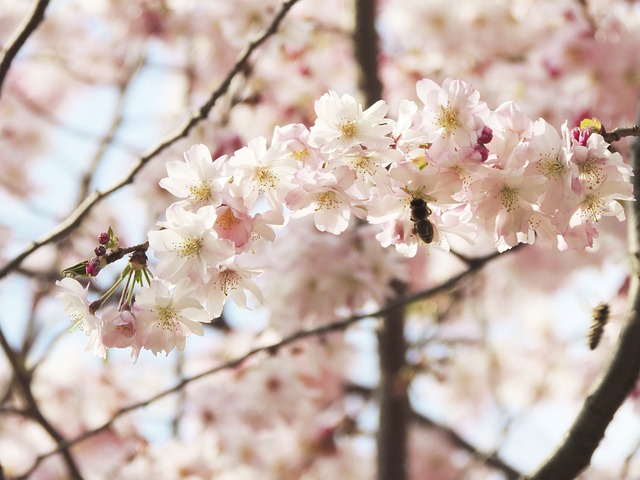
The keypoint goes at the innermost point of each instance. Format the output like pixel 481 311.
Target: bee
pixel 599 320
pixel 422 226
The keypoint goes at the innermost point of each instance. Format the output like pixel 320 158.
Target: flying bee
pixel 422 226
pixel 599 320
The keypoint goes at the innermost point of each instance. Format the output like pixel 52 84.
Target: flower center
pixel 590 173
pixel 348 129
pixel 190 247
pixel 201 191
pixel 448 119
pixel 509 198
pixel 265 178
pixel 593 207
pixel 168 318
pixel 551 167
pixel 227 220
pixel 300 155
pixel 363 164
pixel 327 200
pixel 229 281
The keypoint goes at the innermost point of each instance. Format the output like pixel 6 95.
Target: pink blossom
pixel 259 171
pixel 198 179
pixel 119 330
pixel 231 281
pixel 324 194
pixel 188 245
pixel 453 115
pixel 166 315
pixel 342 124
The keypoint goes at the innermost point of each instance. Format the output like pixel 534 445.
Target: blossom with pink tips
pixel 342 124
pixel 453 114
pixel 166 315
pixel 188 245
pixel 324 194
pixel 261 171
pixel 198 179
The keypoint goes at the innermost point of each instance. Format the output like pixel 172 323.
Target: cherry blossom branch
pixel 76 217
pixel 20 36
pixel 272 349
pixel 22 377
pixel 616 381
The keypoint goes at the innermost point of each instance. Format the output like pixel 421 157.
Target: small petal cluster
pixel 448 167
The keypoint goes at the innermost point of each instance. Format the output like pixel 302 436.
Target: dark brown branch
pixel 76 217
pixel 393 396
pixel 121 252
pixel 32 409
pixel 273 348
pixel 365 40
pixel 619 133
pixel 616 381
pixel 20 37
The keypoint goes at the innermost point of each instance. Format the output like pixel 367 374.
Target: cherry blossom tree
pixel 303 240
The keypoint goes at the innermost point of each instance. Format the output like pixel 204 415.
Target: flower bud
pixel 103 238
pixel 93 267
pixel 486 136
pixel 100 250
pixel 482 150
pixel 138 260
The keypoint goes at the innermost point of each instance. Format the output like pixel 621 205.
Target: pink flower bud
pixel 583 137
pixel 486 136
pixel 482 150
pixel 100 251
pixel 103 238
pixel 93 267
pixel 575 133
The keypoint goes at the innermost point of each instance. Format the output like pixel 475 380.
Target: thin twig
pixel 76 217
pixel 275 347
pixel 20 36
pixel 107 140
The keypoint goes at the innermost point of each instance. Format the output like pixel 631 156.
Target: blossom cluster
pixel 480 171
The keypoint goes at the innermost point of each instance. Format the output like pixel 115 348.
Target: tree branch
pixel 20 36
pixel 616 381
pixel 76 217
pixel 33 411
pixel 620 132
pixel 365 40
pixel 393 396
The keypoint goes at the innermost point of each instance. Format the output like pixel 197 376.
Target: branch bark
pixel 392 395
pixel 619 377
pixel 366 41
pixel 32 410
pixel 20 37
